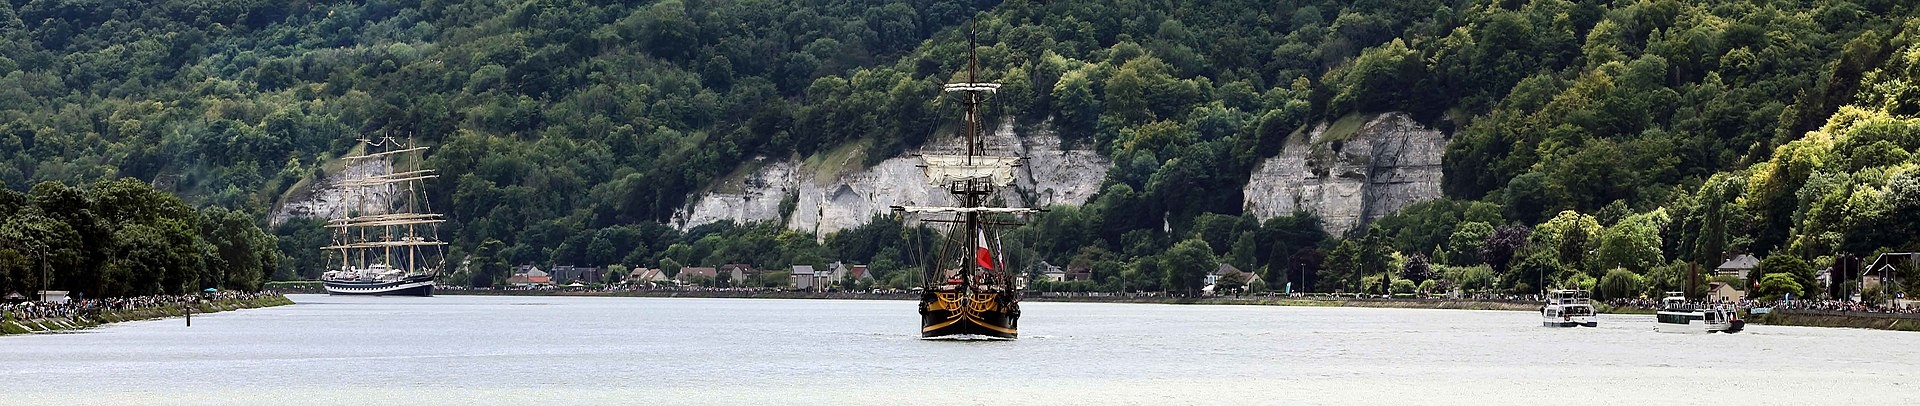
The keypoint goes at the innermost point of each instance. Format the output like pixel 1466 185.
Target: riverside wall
pixel 1820 318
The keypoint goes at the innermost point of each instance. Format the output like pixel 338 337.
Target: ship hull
pixel 957 315
pixel 1695 322
pixel 415 286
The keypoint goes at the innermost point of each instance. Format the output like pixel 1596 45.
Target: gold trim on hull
pixel 953 313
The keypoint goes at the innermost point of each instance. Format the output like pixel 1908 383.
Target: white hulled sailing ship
pixel 388 241
pixel 968 290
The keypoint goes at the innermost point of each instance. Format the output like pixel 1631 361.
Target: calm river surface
pixel 490 350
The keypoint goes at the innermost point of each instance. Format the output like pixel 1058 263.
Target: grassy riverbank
pixel 60 324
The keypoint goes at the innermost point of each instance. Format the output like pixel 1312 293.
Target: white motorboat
pixel 1568 308
pixel 1677 315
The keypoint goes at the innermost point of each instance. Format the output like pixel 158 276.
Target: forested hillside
pixel 1594 143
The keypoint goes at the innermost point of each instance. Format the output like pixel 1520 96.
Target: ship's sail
pixel 948 169
pixel 963 210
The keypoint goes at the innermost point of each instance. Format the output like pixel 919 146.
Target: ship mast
pixel 980 297
pixel 396 223
pixel 971 177
pixel 973 148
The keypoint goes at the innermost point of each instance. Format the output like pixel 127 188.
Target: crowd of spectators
pixel 1820 305
pixel 1844 306
pixel 83 307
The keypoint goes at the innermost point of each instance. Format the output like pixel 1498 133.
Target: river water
pixel 588 350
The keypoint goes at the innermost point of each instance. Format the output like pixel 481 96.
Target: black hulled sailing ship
pixel 969 290
pixel 387 240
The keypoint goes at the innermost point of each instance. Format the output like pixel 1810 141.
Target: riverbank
pixel 11 326
pixel 1849 320
pixel 1246 301
pixel 1812 318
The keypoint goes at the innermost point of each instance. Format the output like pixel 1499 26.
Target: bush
pixel 1776 286
pixel 1403 286
pixel 1371 285
pixel 1477 278
pixel 1619 283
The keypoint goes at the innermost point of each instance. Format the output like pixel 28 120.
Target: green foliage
pixel 1634 242
pixel 1472 279
pixel 1670 277
pixel 1372 285
pixel 1533 272
pixel 125 238
pixel 1776 286
pixel 487 266
pixel 670 267
pixel 1403 286
pixel 238 254
pixel 1619 283
pixel 1355 259
pixel 1426 226
pixel 1569 237
pixel 1577 280
pixel 1379 79
pixel 1464 245
pixel 300 240
pixel 1233 283
pixel 1184 267
pixel 1794 268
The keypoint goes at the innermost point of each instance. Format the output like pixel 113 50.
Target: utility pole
pixel 43 275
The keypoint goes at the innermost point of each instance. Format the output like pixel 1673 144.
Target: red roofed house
pixel 531 278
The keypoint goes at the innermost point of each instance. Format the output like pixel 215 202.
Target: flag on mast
pixel 980 253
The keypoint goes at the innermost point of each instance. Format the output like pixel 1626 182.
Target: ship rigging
pixel 968 289
pixel 387 240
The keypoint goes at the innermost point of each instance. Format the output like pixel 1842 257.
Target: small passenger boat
pixel 1677 315
pixel 1568 308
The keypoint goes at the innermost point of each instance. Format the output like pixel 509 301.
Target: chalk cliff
pixel 1350 177
pixel 1051 175
pixel 325 198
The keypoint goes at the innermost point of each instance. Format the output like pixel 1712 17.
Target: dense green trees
pixel 1185 267
pixel 123 238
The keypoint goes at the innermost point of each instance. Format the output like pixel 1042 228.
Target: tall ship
pixel 968 290
pixel 387 241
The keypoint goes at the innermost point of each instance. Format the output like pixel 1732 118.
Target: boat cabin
pixel 1568 297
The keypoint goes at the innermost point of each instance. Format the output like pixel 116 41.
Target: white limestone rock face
pixel 1060 176
pixel 1052 175
pixel 330 200
pixel 1391 162
pixel 755 197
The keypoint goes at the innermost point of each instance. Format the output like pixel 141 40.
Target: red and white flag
pixel 981 254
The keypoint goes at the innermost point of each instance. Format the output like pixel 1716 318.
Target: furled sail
pixel 948 209
pixel 946 169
